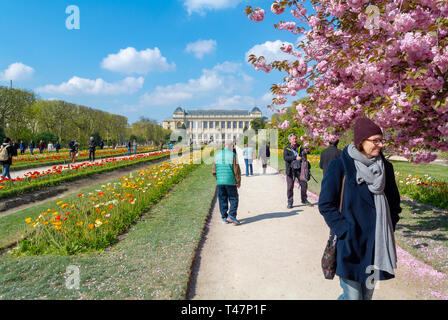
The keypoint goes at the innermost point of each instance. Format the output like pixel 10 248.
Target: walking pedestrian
pixel 7 151
pixel 248 155
pixel 128 146
pixel 329 154
pixel 292 154
pixel 102 145
pixel 365 183
pixel 74 148
pixel 264 153
pixel 228 179
pixel 92 149
pixel 57 146
pixel 134 145
pixel 32 146
pixel 41 146
pixel 22 147
pixel 50 147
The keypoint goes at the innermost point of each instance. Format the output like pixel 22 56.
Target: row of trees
pixel 24 117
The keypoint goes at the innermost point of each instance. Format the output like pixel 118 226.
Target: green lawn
pixel 153 260
pixel 437 171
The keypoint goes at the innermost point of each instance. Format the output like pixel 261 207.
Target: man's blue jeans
pixel 354 290
pixel 248 165
pixel 226 194
pixel 6 171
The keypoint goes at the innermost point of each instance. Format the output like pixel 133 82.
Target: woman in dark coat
pixel 11 152
pixel 365 228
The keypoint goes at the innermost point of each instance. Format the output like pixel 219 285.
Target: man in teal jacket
pixel 228 177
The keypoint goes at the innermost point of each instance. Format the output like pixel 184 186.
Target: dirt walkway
pixel 275 253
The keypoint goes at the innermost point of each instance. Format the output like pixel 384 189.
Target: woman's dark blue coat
pixel 355 225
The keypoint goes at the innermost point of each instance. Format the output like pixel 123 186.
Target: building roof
pixel 217 112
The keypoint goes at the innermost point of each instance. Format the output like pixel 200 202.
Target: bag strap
pixel 342 194
pixel 340 207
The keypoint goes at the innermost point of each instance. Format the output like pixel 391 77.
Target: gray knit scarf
pixel 371 171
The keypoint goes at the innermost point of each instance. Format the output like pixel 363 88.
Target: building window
pixel 200 136
pixel 205 136
pixel 188 124
pixel 229 124
pixel 223 124
pixel 246 124
pixel 223 136
pixel 234 125
pixel 241 124
pixel 205 124
pixel 217 124
pixel 211 124
pixel 229 136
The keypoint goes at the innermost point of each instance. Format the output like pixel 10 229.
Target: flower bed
pixel 423 189
pixel 94 221
pixel 37 160
pixel 56 175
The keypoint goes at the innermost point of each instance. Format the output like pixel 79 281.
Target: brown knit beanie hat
pixel 363 129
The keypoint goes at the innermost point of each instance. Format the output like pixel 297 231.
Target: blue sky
pixel 140 57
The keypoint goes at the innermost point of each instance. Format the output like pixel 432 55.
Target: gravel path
pixel 275 253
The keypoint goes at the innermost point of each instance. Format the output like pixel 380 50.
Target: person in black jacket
pixel 370 211
pixel 92 149
pixel 32 146
pixel 8 149
pixel 292 154
pixel 328 155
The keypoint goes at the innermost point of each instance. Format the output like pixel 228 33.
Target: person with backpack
pixel 74 148
pixel 32 146
pixel 92 149
pixel 292 154
pixel 360 203
pixel 7 151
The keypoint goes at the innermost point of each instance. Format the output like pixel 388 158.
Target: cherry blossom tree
pixel 384 59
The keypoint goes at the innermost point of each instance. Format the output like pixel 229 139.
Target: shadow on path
pixel 271 215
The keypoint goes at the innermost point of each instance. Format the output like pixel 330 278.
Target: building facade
pixel 204 126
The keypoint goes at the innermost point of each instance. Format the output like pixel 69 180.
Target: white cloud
pixel 130 60
pixel 224 78
pixel 201 47
pixel 239 101
pixel 200 6
pixel 270 50
pixel 17 72
pixel 81 86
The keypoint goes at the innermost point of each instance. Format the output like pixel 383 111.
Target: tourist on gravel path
pixel 22 147
pixel 7 151
pixel 134 145
pixel 128 145
pixel 228 178
pixel 329 154
pixel 264 154
pixel 92 149
pixel 32 146
pixel 292 154
pixel 50 147
pixel 370 207
pixel 248 155
pixel 74 148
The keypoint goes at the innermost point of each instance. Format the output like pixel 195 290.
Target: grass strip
pixel 152 262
